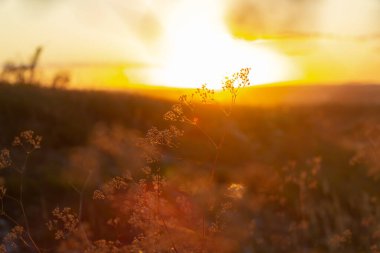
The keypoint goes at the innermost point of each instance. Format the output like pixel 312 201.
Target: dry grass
pixel 174 195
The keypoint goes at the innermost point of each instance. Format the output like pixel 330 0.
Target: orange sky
pixel 112 43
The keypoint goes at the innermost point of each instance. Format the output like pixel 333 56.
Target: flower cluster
pixel 236 81
pixel 164 137
pixel 28 141
pixel 65 221
pixel 206 95
pixel 339 240
pixel 155 139
pixel 10 239
pixel 104 246
pixel 109 189
pixel 5 159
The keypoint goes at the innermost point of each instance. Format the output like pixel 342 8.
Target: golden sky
pixel 187 42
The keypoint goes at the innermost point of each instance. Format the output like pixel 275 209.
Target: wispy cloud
pixel 331 19
pixel 77 31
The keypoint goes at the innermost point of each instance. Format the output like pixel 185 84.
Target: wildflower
pixel 114 222
pixel 28 140
pixel 110 188
pixel 147 170
pixel 235 191
pixel 175 114
pixel 206 95
pixel 98 195
pixel 339 240
pixel 65 221
pixel 103 246
pixel 164 137
pixel 11 238
pixel 5 160
pixel 375 249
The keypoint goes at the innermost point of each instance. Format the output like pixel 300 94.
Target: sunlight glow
pixel 200 50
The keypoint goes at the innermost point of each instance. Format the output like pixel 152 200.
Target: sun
pixel 199 49
pixel 194 62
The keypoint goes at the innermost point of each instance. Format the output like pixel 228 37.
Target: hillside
pixel 99 131
pixel 283 94
pixel 67 118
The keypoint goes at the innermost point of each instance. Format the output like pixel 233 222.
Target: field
pixel 115 172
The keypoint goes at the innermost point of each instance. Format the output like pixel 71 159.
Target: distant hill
pixel 269 95
pixel 312 94
pixel 67 117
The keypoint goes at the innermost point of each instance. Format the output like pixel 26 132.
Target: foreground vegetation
pixel 123 173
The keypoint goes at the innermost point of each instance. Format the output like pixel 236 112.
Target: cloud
pixel 141 18
pixel 252 19
pixel 350 17
pixel 74 31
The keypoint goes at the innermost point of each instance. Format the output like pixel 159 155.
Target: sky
pixel 110 43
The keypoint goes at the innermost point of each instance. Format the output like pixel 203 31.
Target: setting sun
pixel 210 64
pixel 202 50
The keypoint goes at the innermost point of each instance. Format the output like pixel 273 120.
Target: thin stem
pixel 81 193
pixel 21 192
pixel 203 226
pixel 168 232
pixel 218 146
pixel 80 207
pixel 157 204
pixel 10 218
pixel 12 198
pixel 217 154
pixel 16 224
pixel 21 203
pixel 212 142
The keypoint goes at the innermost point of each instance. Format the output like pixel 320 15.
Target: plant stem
pixel 21 203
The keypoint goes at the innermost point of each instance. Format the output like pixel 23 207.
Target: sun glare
pixel 201 50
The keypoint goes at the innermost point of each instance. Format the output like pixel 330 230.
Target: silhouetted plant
pixel 21 73
pixel 28 142
pixel 61 80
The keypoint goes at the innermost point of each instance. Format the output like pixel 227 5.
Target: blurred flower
pixel 235 191
pixel 5 160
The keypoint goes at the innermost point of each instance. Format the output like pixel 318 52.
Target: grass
pixel 285 178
